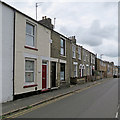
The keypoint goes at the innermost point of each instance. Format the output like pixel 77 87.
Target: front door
pixel 53 74
pixel 44 76
pixel 80 73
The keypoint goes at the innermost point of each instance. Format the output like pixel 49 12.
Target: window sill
pixel 63 81
pixel 63 56
pixel 74 57
pixel 26 86
pixel 31 48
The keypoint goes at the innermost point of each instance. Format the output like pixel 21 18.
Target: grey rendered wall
pixel 7 53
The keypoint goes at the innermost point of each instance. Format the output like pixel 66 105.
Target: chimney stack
pixel 73 39
pixel 46 22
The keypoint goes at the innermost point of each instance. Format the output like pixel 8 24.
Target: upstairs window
pixel 84 55
pixel 79 53
pixel 92 59
pixel 30 35
pixel 62 51
pixel 87 56
pixel 73 51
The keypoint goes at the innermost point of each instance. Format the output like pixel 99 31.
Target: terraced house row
pixel 36 58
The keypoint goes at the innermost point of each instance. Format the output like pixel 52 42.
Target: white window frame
pixel 73 51
pixel 61 38
pixel 30 83
pixel 87 69
pixel 87 56
pixel 64 72
pixel 34 36
pixel 79 53
pixel 84 55
pixel 75 70
pixel 90 70
pixel 91 58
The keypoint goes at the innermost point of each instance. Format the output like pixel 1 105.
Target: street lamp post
pixel 101 64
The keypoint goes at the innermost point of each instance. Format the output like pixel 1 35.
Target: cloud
pixel 94 35
pixel 109 48
pixel 93 23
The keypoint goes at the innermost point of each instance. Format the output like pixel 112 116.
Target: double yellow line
pixel 49 102
pixel 36 107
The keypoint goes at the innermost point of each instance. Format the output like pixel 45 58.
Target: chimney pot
pixel 46 21
pixel 73 39
pixel 43 18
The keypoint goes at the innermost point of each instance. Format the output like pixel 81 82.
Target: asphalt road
pixel 99 101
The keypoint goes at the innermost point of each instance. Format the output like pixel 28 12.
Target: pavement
pixel 24 103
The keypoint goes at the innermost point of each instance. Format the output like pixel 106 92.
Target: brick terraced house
pixel 60 56
pixel 101 68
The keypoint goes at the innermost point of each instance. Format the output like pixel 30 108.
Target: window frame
pixel 61 65
pixel 91 58
pixel 87 70
pixel 33 82
pixel 64 47
pixel 75 70
pixel 34 34
pixel 73 51
pixel 84 55
pixel 79 53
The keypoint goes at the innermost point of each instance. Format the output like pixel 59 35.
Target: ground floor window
pixel 29 70
pixel 87 70
pixel 62 71
pixel 75 70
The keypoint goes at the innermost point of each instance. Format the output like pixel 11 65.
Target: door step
pixel 53 88
pixel 44 90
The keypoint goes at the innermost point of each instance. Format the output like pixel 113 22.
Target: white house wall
pixel 43 53
pixel 0 59
pixel 7 53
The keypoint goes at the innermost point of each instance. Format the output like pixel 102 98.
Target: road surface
pixel 99 101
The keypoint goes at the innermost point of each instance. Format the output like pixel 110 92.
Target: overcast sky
pixel 95 24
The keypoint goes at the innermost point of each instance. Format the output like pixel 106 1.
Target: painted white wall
pixel 0 58
pixel 7 53
pixel 42 40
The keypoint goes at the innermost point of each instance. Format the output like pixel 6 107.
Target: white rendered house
pixel 6 52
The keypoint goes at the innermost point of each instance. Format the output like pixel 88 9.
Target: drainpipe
pixel 101 65
pixel 14 51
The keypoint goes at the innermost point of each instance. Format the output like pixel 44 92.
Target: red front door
pixel 44 76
